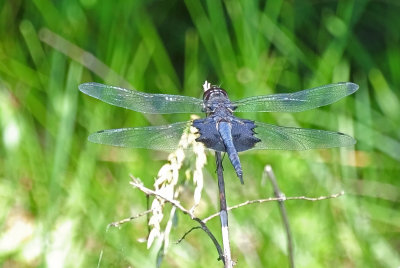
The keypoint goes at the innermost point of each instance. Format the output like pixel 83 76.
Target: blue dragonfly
pixel 220 130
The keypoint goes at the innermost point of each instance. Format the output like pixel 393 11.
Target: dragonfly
pixel 221 130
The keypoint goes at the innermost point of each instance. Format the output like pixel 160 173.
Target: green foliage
pixel 59 191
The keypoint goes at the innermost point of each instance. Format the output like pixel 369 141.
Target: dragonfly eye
pixel 214 91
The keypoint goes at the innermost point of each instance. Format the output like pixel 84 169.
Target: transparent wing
pixel 290 138
pixel 163 138
pixel 297 101
pixel 142 102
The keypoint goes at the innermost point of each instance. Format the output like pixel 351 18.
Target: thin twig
pixel 120 222
pixel 283 198
pixel 277 192
pixel 223 213
pixel 137 184
pixel 188 232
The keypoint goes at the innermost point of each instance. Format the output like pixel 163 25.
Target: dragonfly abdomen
pixel 225 130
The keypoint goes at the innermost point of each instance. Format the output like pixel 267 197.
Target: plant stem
pixel 223 212
pixel 282 209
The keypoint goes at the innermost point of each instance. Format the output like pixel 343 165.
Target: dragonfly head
pixel 214 92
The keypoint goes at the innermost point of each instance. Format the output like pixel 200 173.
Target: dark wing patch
pixel 209 135
pixel 243 134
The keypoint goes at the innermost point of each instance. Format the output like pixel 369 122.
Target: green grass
pixel 58 192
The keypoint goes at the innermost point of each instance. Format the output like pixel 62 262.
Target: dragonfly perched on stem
pixel 220 130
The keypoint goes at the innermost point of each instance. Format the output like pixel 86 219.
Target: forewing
pixel 297 101
pixel 142 102
pixel 291 138
pixel 163 138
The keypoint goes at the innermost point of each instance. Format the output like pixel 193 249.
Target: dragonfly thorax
pixel 216 100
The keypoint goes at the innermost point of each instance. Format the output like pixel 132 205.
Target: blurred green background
pixel 58 192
